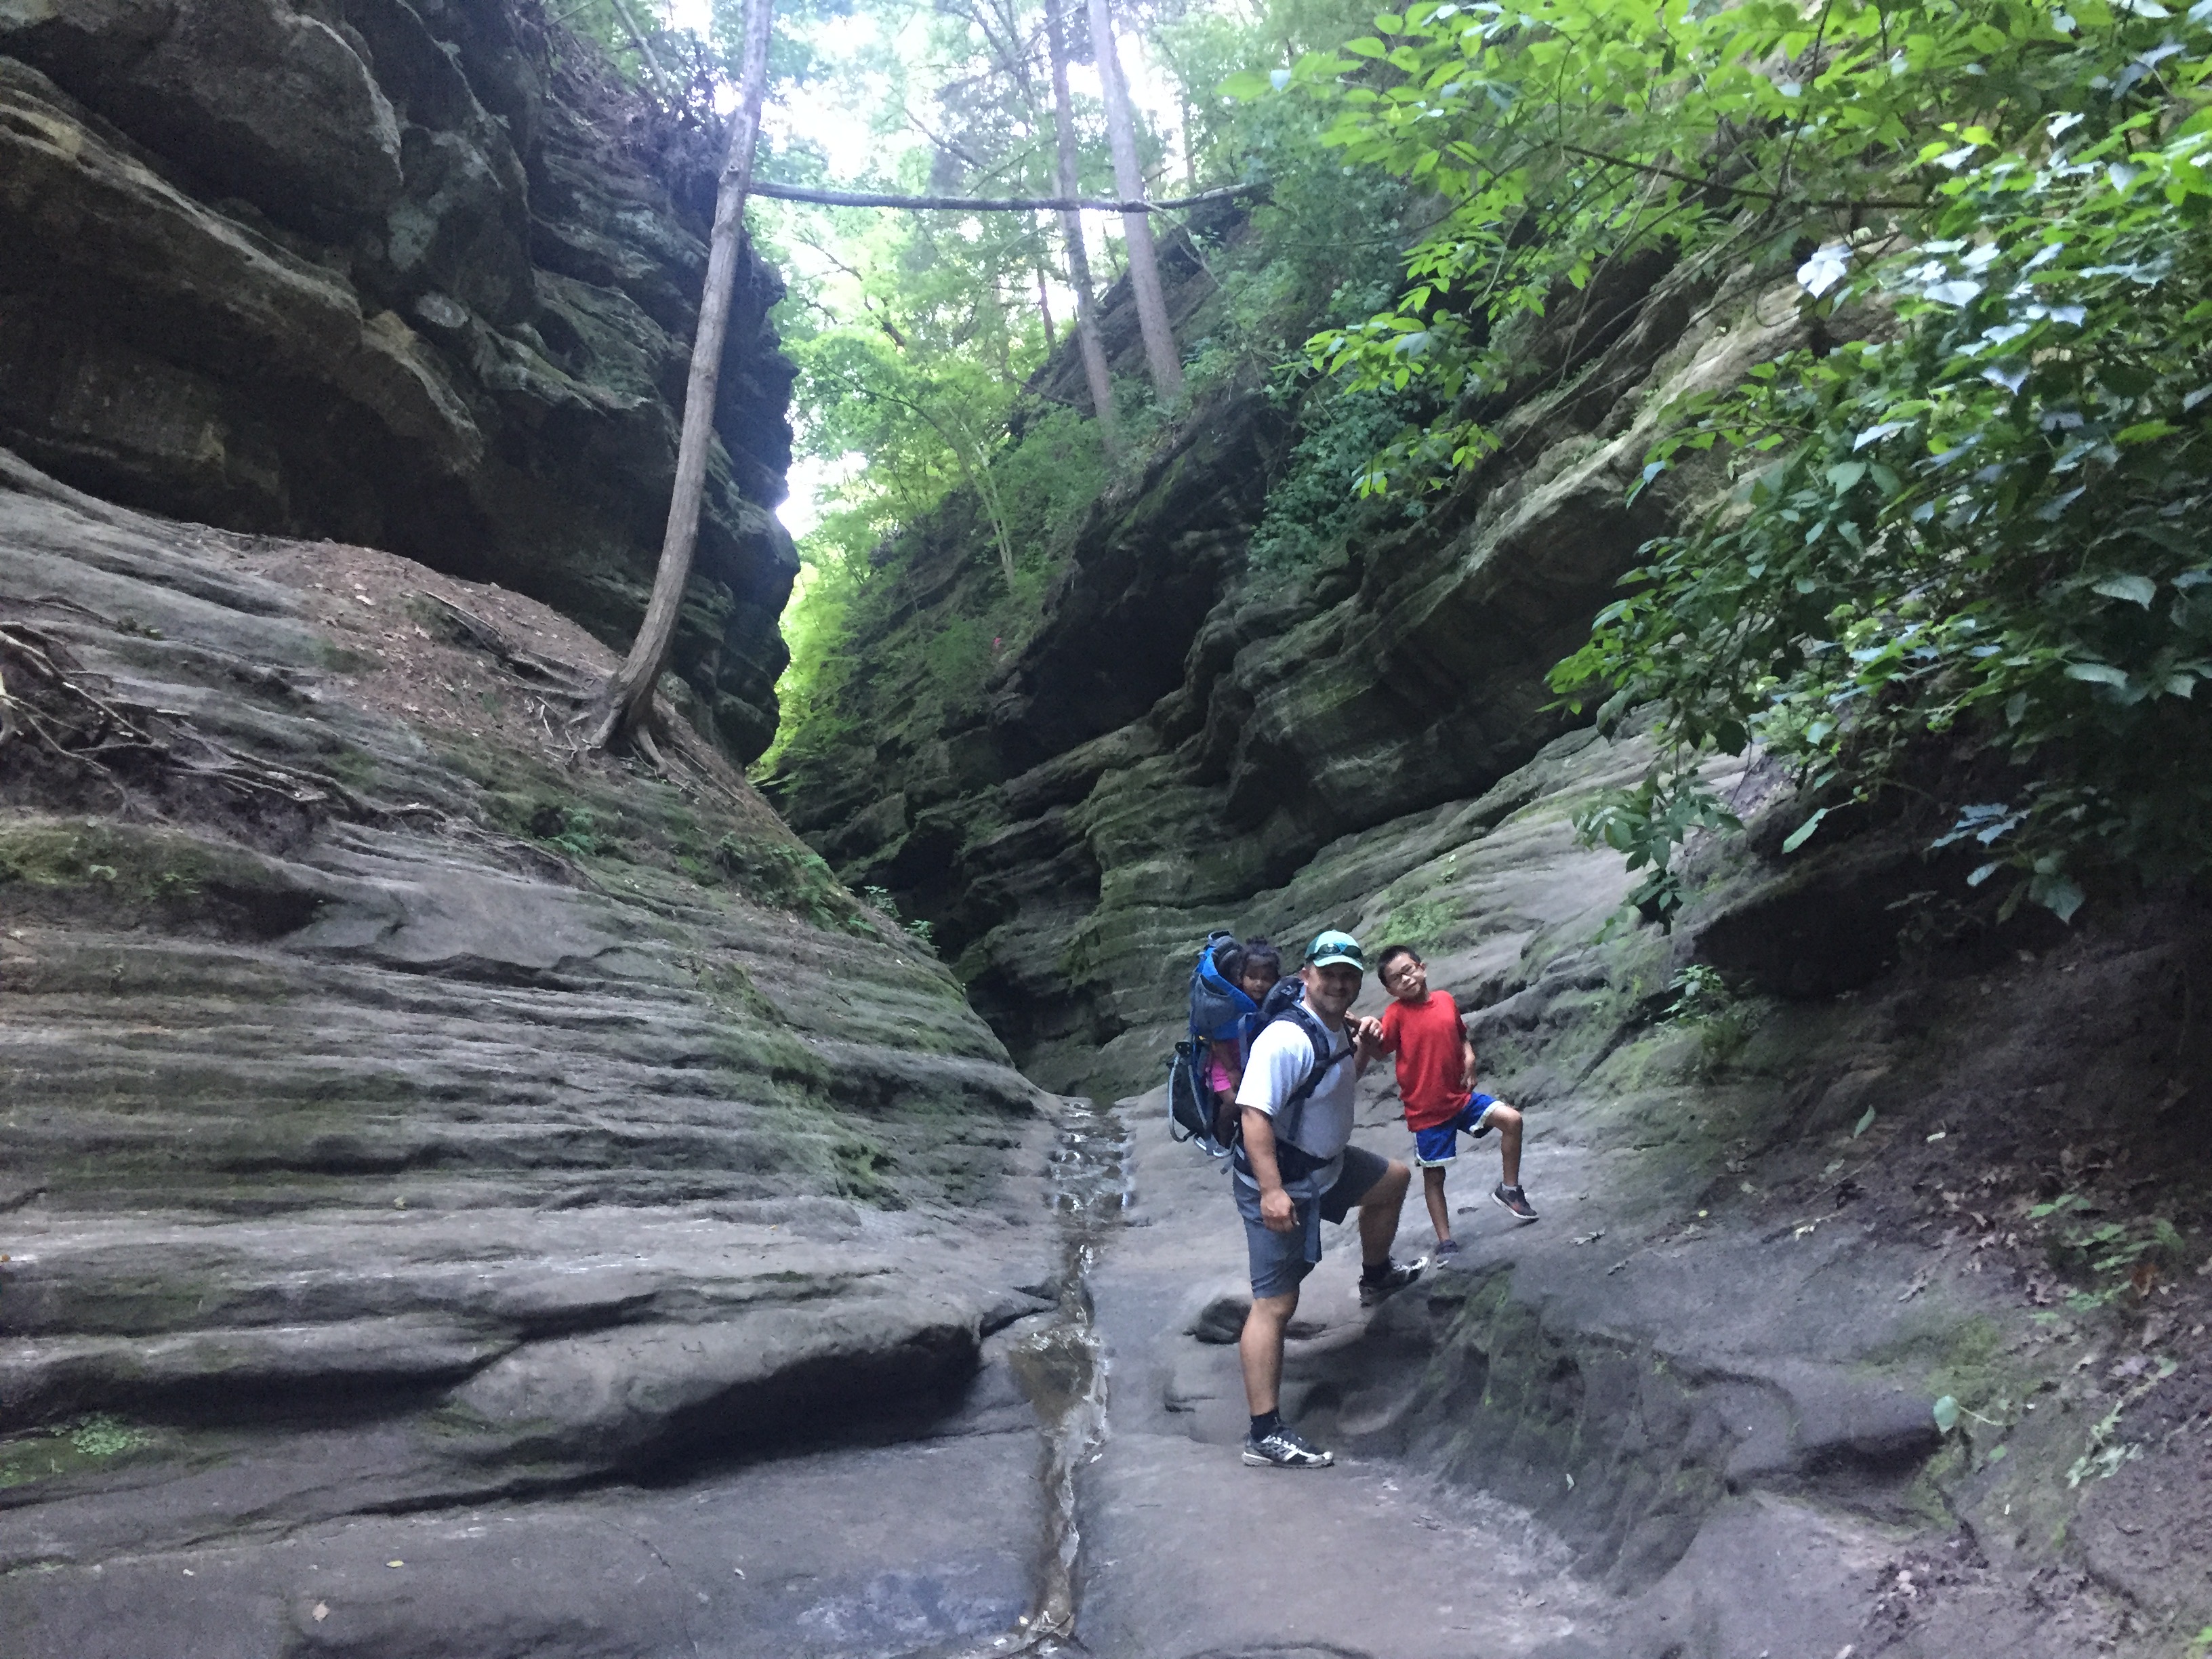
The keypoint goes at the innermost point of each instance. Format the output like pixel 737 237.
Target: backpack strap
pixel 1326 1054
pixel 1287 1116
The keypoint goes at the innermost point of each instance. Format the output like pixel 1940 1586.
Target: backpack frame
pixel 1193 1113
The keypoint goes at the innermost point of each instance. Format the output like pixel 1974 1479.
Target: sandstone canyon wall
pixel 421 276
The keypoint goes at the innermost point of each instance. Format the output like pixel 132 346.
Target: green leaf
pixel 2099 673
pixel 2140 589
pixel 1803 832
pixel 2058 896
pixel 1946 1415
pixel 1845 474
pixel 1865 1123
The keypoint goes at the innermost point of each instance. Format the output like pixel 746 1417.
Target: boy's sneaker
pixel 1515 1201
pixel 1446 1247
pixel 1285 1449
pixel 1377 1288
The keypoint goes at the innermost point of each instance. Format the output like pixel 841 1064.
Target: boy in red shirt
pixel 1435 1081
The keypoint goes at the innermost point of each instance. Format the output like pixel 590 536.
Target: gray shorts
pixel 1281 1260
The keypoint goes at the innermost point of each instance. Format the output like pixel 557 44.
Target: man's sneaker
pixel 1515 1201
pixel 1447 1247
pixel 1393 1279
pixel 1285 1449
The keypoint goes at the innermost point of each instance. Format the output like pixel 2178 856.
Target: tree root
pixel 48 702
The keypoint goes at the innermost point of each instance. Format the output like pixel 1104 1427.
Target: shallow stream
pixel 1062 1368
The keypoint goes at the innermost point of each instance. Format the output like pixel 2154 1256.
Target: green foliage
pixel 789 877
pixel 1316 501
pixel 101 1436
pixel 914 335
pixel 65 1449
pixel 1700 994
pixel 2112 1256
pixel 2105 1453
pixel 1705 1002
pixel 920 929
pixel 568 828
pixel 1647 824
pixel 1980 521
pixel 1419 923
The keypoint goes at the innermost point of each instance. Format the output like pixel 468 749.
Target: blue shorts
pixel 1280 1261
pixel 1436 1147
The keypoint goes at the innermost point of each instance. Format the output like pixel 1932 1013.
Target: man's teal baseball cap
pixel 1330 949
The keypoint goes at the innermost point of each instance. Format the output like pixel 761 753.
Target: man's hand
pixel 1277 1213
pixel 1367 1037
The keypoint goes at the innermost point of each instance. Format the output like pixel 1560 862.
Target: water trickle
pixel 1062 1368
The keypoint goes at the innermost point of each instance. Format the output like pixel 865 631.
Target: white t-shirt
pixel 1282 1056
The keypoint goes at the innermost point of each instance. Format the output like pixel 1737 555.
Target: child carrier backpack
pixel 1219 1009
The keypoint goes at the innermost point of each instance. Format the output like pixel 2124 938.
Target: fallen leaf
pixel 1587 1238
pixel 395 1564
pixel 322 1612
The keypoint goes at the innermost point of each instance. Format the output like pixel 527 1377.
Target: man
pixel 1296 1168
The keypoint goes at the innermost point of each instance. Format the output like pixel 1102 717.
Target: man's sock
pixel 1266 1423
pixel 1373 1271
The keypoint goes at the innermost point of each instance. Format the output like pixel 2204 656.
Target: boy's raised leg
pixel 1508 1192
pixel 1509 1141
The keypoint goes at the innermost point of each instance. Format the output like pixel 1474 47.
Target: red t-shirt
pixel 1425 1035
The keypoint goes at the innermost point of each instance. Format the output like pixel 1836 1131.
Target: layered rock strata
pixel 402 1113
pixel 1184 731
pixel 415 275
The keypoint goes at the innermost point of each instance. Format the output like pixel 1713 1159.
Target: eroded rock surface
pixel 1689 1412
pixel 369 1153
pixel 411 275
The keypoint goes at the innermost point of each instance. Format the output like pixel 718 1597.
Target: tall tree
pixel 626 705
pixel 1071 228
pixel 1137 231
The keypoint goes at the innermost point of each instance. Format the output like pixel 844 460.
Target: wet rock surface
pixel 387 1181
pixel 419 276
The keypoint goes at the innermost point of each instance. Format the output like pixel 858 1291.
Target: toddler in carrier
pixel 1253 968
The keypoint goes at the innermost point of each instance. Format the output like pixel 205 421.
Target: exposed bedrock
pixel 398 1116
pixel 1689 1414
pixel 417 276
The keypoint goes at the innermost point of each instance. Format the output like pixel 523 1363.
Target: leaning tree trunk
pixel 627 703
pixel 1071 230
pixel 1136 228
